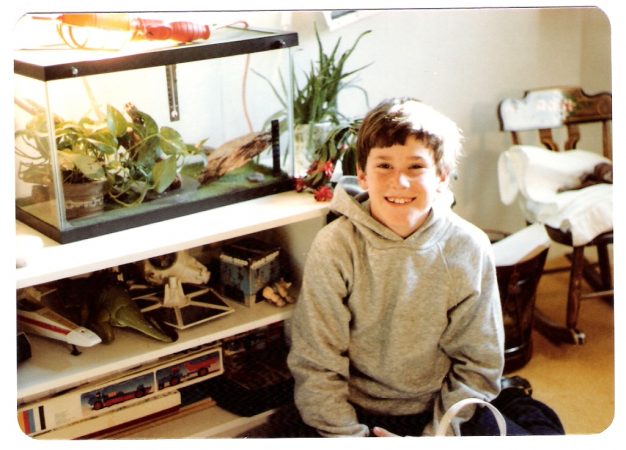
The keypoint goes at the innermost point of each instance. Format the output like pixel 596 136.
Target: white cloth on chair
pixel 541 177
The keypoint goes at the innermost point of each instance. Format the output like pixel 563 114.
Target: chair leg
pixel 599 276
pixel 605 266
pixel 575 286
pixel 567 334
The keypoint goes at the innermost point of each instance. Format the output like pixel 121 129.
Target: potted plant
pixel 110 158
pixel 339 147
pixel 315 109
pixel 81 159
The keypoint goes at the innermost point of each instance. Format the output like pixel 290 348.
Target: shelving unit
pixel 189 219
pixel 295 217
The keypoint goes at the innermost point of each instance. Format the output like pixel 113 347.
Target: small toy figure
pixel 278 293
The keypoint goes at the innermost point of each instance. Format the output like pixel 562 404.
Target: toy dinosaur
pixel 115 308
pixel 105 303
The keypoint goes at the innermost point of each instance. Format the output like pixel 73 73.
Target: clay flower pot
pixel 83 199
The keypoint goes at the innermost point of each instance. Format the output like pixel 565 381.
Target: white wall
pixel 463 62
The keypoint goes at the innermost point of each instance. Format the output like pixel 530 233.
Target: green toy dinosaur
pixel 114 308
pixel 104 303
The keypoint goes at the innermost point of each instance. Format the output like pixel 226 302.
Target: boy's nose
pixel 402 180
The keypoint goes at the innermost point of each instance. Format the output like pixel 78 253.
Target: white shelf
pixel 56 261
pixel 209 422
pixel 52 368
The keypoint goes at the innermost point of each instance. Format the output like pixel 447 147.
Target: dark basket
pixel 518 288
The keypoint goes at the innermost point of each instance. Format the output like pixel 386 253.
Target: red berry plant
pixel 339 147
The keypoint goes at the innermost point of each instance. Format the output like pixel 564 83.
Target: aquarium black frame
pixel 268 40
pixel 144 218
pixel 195 51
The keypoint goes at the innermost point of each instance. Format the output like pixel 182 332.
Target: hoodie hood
pixel 378 234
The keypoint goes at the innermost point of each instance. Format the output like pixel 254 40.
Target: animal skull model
pixel 181 265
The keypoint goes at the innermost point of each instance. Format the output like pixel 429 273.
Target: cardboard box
pixel 116 393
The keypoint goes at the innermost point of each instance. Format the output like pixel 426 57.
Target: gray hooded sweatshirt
pixel 394 325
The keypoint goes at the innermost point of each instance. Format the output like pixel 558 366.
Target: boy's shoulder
pixel 336 230
pixel 462 231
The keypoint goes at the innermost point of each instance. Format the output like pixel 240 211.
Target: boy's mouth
pixel 399 200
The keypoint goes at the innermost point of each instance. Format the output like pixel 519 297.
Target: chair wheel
pixel 578 337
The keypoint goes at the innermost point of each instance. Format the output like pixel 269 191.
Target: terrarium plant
pixel 82 165
pixel 129 157
pixel 147 159
pixel 316 101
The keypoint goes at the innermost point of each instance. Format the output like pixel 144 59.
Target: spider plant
pixel 316 100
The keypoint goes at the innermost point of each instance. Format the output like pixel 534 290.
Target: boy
pixel 399 314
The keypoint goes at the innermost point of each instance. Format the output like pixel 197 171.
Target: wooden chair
pixel 566 108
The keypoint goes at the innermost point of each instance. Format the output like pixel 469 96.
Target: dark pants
pixel 523 414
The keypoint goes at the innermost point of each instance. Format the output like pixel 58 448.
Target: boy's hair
pixel 393 120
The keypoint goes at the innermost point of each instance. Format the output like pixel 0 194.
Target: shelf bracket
pixel 172 92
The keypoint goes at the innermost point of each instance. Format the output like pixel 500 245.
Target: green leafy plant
pixel 148 158
pixel 130 152
pixel 316 100
pixel 81 155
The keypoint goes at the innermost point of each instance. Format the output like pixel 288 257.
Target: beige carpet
pixel 576 381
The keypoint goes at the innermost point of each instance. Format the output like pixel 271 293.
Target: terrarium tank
pixel 124 120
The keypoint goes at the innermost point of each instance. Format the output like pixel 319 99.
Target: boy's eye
pixel 417 166
pixel 383 165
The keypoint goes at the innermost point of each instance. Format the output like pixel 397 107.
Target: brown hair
pixel 393 120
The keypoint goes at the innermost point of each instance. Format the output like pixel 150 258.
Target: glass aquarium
pixel 121 121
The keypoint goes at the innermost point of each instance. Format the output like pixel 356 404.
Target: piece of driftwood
pixel 234 154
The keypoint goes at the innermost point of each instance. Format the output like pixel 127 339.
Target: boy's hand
pixel 381 432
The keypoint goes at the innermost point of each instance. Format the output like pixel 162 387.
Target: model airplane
pixel 35 318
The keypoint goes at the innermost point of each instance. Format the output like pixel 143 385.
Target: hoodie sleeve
pixel 474 338
pixel 320 337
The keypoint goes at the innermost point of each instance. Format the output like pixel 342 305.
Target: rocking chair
pixel 570 110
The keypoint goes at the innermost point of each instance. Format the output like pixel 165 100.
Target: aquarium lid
pixel 61 63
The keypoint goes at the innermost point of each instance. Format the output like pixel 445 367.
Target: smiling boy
pixel 399 314
pixel 402 182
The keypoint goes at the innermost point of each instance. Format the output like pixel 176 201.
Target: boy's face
pixel 402 182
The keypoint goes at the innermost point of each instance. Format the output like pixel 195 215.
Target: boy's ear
pixel 444 181
pixel 361 178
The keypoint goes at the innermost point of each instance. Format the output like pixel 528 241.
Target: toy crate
pixel 246 267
